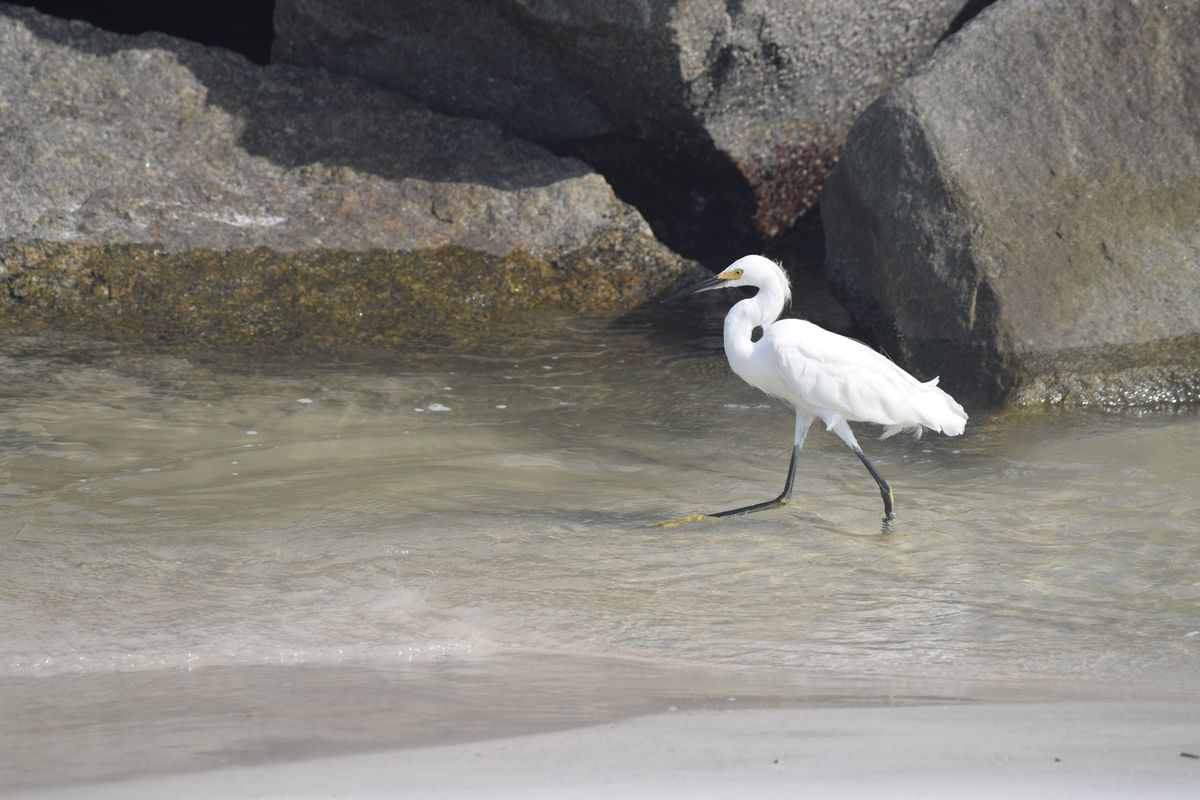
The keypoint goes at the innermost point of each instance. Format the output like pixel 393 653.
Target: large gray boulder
pixel 1022 214
pixel 719 119
pixel 148 182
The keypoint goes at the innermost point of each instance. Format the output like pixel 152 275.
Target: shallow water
pixel 161 512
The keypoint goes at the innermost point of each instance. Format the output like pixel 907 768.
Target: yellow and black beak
pixel 715 282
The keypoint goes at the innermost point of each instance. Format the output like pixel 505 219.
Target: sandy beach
pixel 1047 749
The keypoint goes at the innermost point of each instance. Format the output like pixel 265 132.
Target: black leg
pixel 778 502
pixel 803 421
pixel 884 488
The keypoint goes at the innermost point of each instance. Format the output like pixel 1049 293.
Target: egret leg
pixel 842 429
pixel 778 502
pixel 803 421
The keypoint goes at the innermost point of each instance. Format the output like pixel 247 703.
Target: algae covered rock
pixel 151 182
pixel 1022 214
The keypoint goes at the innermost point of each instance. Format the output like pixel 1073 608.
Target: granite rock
pixel 149 178
pixel 1021 214
pixel 719 119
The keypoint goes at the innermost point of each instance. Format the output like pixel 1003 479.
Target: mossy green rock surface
pixel 153 187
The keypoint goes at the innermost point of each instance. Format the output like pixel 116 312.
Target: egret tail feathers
pixel 935 410
pixel 891 430
pixel 952 417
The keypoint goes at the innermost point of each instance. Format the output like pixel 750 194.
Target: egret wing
pixel 833 374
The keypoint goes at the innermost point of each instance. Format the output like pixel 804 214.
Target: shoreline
pixel 1062 749
pixel 274 731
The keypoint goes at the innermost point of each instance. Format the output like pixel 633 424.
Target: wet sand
pixel 1068 749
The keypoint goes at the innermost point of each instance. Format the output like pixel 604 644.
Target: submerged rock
pixel 148 182
pixel 1022 214
pixel 720 120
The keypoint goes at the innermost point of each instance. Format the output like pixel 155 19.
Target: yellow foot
pixel 671 523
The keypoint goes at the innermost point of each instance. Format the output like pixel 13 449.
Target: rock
pixel 719 119
pixel 148 182
pixel 1021 214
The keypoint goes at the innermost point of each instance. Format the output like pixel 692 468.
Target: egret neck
pixel 761 310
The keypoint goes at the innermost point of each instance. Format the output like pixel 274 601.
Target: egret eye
pixel 737 273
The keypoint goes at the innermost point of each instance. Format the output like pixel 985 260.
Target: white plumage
pixel 821 374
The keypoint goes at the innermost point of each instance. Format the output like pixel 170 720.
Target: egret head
pixel 746 271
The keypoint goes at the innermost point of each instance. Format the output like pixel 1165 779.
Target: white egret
pixel 821 374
